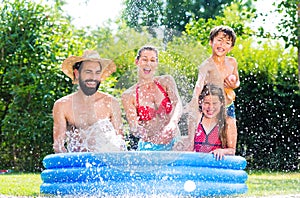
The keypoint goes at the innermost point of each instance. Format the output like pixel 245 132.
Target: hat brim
pixel 108 66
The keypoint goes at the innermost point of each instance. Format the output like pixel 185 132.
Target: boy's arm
pixel 235 72
pixel 193 104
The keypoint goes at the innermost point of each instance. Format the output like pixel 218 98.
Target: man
pixel 87 120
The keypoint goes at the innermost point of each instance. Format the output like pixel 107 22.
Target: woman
pixel 152 106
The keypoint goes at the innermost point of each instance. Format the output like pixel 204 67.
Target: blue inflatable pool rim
pixel 142 158
pixel 143 173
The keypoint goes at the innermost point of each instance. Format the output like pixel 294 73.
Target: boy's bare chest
pixel 220 72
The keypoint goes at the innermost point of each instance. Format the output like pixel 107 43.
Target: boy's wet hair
pixel 226 30
pixel 147 47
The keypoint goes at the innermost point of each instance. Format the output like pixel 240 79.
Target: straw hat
pixel 108 66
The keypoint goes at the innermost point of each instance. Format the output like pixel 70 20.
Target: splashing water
pixel 100 137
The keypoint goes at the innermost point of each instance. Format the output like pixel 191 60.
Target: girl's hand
pixel 219 154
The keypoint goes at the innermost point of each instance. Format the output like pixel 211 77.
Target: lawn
pixel 20 184
pixel 276 183
pixel 259 184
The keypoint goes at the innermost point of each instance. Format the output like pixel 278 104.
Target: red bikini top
pixel 146 113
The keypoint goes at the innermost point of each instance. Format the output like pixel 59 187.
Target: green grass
pixel 274 183
pixel 20 184
pixel 259 184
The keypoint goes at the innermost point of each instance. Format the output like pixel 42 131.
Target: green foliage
pixel 289 26
pixel 201 28
pixel 138 14
pixel 174 15
pixel 35 39
pixel 181 59
pixel 267 103
pixel 178 13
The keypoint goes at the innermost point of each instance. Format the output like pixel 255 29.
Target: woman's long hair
pixel 211 89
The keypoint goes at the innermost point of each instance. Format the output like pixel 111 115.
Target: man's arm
pixel 59 127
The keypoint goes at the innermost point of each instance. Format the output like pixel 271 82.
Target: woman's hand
pixel 140 131
pixel 183 144
pixel 168 133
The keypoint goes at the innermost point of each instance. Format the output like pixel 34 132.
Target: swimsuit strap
pixel 201 118
pixel 161 88
pixel 200 122
pixel 137 96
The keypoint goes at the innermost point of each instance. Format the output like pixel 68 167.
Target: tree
pixel 178 13
pixel 143 13
pixel 34 41
pixel 200 29
pixel 173 15
pixel 288 27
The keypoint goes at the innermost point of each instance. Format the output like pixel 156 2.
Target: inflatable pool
pixel 142 173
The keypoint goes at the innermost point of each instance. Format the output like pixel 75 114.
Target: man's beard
pixel 88 90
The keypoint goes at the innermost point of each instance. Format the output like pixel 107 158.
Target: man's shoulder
pixel 104 95
pixel 64 99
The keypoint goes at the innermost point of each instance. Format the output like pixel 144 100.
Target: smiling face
pixel 147 63
pixel 211 106
pixel 221 44
pixel 89 76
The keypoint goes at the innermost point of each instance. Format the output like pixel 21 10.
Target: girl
pixel 206 131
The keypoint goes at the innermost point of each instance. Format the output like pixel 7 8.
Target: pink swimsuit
pixel 207 143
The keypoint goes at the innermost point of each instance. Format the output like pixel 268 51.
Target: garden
pixel 36 38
